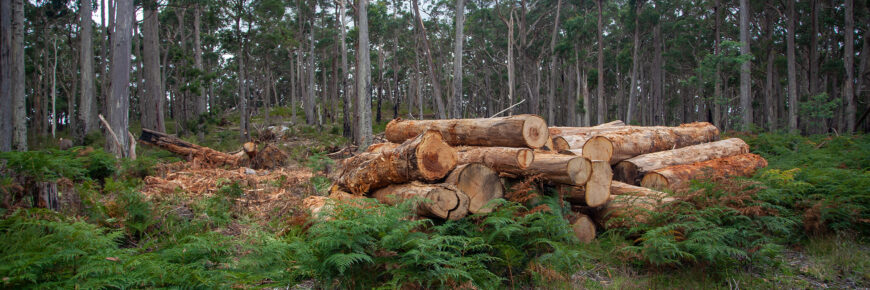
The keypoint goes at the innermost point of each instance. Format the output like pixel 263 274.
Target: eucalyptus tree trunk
pixel 310 114
pixel 243 83
pixel 347 98
pixel 658 77
pixel 456 110
pixel 200 103
pixel 512 76
pixel 792 75
pixel 151 105
pixel 551 93
pixel 632 89
pixel 433 71
pixel 119 100
pixel 363 80
pixel 6 112
pixel 745 67
pixel 813 69
pixel 717 77
pixel 600 112
pixel 849 61
pixel 87 101
pixel 54 92
pixel 19 113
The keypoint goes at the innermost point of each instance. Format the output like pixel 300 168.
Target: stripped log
pixel 498 158
pixel 583 228
pixel 595 192
pixel 567 131
pixel 624 144
pixel 558 168
pixel 513 131
pixel 425 157
pixel 480 183
pixel 628 202
pixel 677 177
pixel 632 170
pixel 198 154
pixel 432 200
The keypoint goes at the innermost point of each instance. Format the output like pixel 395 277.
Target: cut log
pixel 629 202
pixel 425 158
pixel 595 192
pixel 250 149
pixel 583 228
pixel 677 177
pixel 498 158
pixel 480 183
pixel 514 131
pixel 201 155
pixel 443 201
pixel 624 144
pixel 382 147
pixel 558 168
pixel 632 170
pixel 567 131
pixel 560 144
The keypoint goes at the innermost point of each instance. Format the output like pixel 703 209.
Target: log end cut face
pixel 560 144
pixel 584 229
pixel 655 181
pixel 481 184
pixel 434 157
pixel 579 169
pixel 598 186
pixel 598 148
pixel 442 201
pixel 535 131
pixel 525 157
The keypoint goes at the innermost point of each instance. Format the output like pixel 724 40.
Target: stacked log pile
pixel 452 168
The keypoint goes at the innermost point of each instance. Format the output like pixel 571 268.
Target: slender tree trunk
pixel 6 77
pixel 551 93
pixel 433 71
pixel 19 114
pixel 814 44
pixel 456 110
pixel 54 91
pixel 792 75
pixel 745 67
pixel 512 79
pixel 243 82
pixel 632 89
pixel 717 78
pixel 105 81
pixel 88 102
pixel 849 61
pixel 200 104
pixel 310 114
pixel 363 81
pixel 151 105
pixel 601 108
pixel 347 98
pixel 119 101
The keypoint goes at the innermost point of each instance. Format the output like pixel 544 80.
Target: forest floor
pixel 166 223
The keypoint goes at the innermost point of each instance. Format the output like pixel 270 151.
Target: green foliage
pixel 51 164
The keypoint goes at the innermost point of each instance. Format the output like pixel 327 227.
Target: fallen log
pixel 199 154
pixel 677 177
pixel 629 202
pixel 632 170
pixel 432 200
pixel 567 138
pixel 498 158
pixel 513 131
pixel 624 144
pixel 595 192
pixel 425 158
pixel 558 168
pixel 584 228
pixel 480 183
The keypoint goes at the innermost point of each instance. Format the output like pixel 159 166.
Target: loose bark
pixel 498 158
pixel 584 228
pixel 595 192
pixel 632 170
pixel 432 200
pixel 557 168
pixel 479 182
pixel 426 157
pixel 620 145
pixel 677 177
pixel 199 155
pixel 514 131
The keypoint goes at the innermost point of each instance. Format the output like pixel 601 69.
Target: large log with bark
pixel 596 191
pixel 624 144
pixel 443 201
pixel 201 155
pixel 632 170
pixel 513 131
pixel 567 138
pixel 629 202
pixel 426 157
pixel 677 177
pixel 480 183
pixel 499 158
pixel 558 168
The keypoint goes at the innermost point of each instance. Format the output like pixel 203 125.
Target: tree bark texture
pixel 87 100
pixel 632 170
pixel 677 177
pixel 119 101
pixel 363 78
pixel 151 105
pixel 456 110
pixel 19 113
